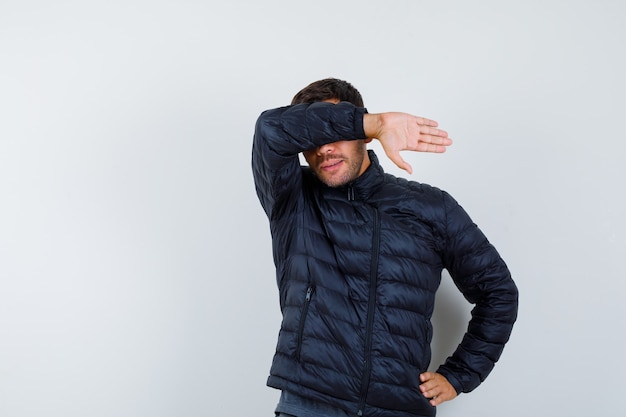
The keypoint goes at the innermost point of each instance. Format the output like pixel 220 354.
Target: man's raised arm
pixel 282 133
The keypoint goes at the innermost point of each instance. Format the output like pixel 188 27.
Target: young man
pixel 359 255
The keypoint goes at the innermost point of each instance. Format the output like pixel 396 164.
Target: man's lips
pixel 331 165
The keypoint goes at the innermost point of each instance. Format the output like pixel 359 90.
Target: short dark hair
pixel 327 89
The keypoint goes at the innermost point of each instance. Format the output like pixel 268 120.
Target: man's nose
pixel 328 148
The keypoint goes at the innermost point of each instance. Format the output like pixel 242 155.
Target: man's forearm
pixel 282 133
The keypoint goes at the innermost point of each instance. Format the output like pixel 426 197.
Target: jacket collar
pixel 364 186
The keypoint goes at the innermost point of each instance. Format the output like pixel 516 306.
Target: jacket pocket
pixel 303 314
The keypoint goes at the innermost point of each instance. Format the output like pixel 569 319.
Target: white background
pixel 136 276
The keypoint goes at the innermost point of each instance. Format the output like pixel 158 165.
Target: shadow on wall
pixel 450 318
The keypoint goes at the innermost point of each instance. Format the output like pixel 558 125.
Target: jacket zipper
pixel 371 306
pixel 303 314
pixel 350 193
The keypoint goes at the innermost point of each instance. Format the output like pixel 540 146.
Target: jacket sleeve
pixel 282 133
pixel 484 279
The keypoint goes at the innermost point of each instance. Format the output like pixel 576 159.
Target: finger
pixel 426 130
pixel 429 147
pixel 435 395
pixel 425 376
pixel 431 384
pixel 442 398
pixel 436 388
pixel 430 388
pixel 431 392
pixel 435 401
pixel 426 122
pixel 439 140
pixel 427 387
pixel 435 140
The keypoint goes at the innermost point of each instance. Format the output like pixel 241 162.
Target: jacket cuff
pixel 359 129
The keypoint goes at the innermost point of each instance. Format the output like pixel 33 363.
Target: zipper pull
pixel 350 193
pixel 309 292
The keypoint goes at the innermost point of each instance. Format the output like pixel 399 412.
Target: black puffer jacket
pixel 357 268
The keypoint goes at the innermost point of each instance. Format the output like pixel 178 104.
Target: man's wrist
pixel 371 125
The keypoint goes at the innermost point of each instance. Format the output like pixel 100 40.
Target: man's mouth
pixel 330 165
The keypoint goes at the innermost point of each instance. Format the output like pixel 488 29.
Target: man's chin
pixel 334 182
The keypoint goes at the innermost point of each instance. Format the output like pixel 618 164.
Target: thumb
pixel 400 162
